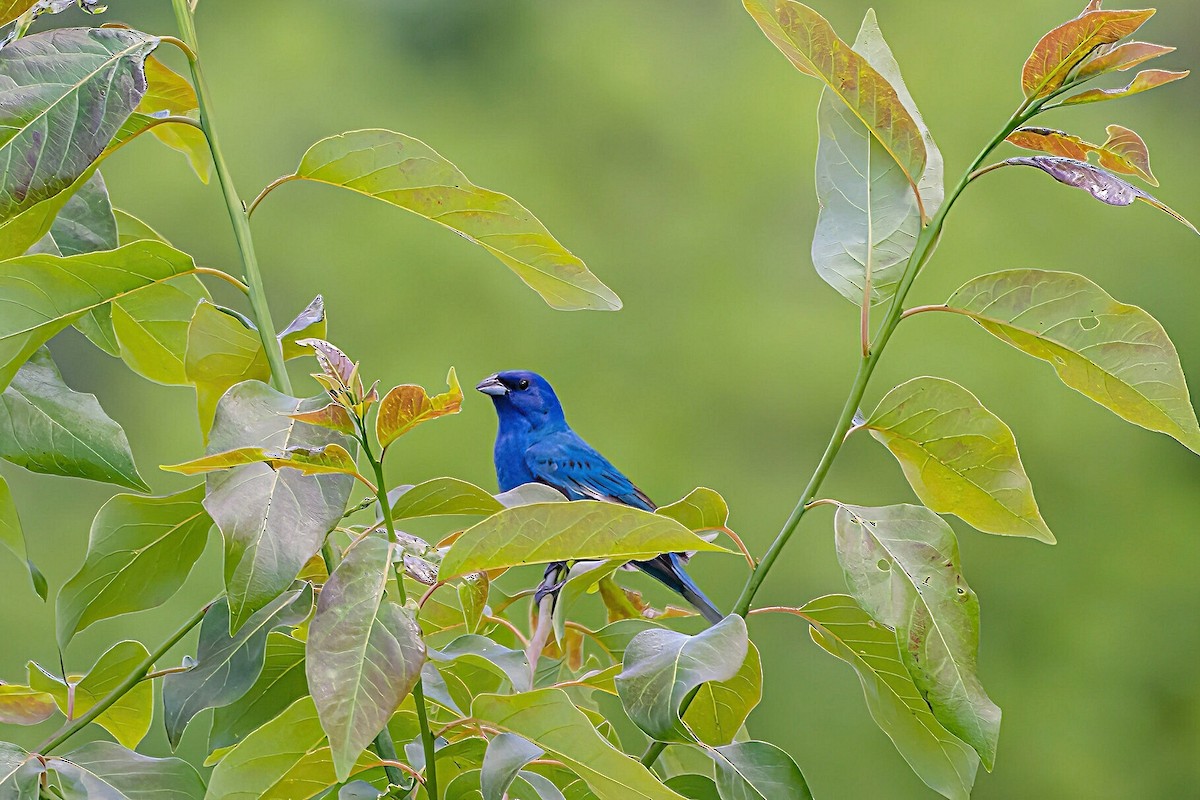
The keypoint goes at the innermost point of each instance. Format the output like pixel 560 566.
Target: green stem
pixel 123 687
pixel 866 367
pixel 385 508
pixel 235 206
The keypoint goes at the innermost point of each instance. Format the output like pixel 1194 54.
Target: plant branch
pixel 234 204
pixel 921 251
pixel 131 680
pixel 270 187
pixel 225 276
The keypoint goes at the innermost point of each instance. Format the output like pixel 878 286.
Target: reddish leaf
pixel 1048 140
pixel 1144 81
pixel 1120 58
pixel 1125 152
pixel 331 416
pixel 811 44
pixel 1061 50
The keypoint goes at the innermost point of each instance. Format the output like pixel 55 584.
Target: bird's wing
pixel 572 466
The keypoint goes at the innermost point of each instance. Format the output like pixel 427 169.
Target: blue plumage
pixel 534 443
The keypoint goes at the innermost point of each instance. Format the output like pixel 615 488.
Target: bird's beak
pixel 492 385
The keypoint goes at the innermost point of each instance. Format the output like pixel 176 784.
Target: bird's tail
pixel 668 569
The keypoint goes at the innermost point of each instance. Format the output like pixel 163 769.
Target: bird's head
pixel 522 395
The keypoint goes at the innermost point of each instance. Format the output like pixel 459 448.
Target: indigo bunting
pixel 534 443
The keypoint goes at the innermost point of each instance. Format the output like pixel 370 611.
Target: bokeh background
pixel 671 147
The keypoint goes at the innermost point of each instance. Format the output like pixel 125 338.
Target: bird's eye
pixel 524 384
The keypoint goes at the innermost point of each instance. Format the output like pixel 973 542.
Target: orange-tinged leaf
pixel 406 406
pixel 309 460
pixel 1120 58
pixel 20 705
pixel 1144 81
pixel 1093 5
pixel 331 416
pixel 1061 50
pixel 168 92
pixel 811 44
pixel 1048 140
pixel 1125 152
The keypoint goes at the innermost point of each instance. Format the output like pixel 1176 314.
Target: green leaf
pixel 1062 49
pixel 152 329
pixel 409 174
pixel 47 427
pixel 583 579
pixel 86 222
pixel 12 536
pixel 550 720
pixel 938 757
pixel 810 43
pixel 1116 354
pixel 869 217
pixel 529 493
pixel 720 708
pixel 441 497
pixel 280 683
pixel 364 652
pixel 902 566
pixel 582 530
pixel 308 324
pixel 128 719
pixel 273 521
pixel 694 787
pixel 662 666
pixel 959 457
pixel 105 770
pixel 131 229
pixel 330 458
pixel 20 773
pixel 285 759
pixel 221 352
pixel 40 295
pixel 227 666
pixel 616 636
pixel 167 92
pixel 700 510
pixel 405 407
pixel 24 705
pixel 69 91
pixel 140 551
pixel 480 651
pixel 506 754
pixel 758 771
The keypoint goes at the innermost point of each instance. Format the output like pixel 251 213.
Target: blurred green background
pixel 671 147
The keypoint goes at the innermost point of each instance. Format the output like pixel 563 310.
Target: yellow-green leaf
pixel 405 407
pixel 128 719
pixel 221 351
pixel 24 705
pixel 152 328
pixel 168 92
pixel 329 458
pixel 12 536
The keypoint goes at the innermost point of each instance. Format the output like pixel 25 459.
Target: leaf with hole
pixel 47 427
pixel 1062 49
pixel 902 566
pixel 364 652
pixel 227 665
pixel 938 757
pixel 140 551
pixel 1116 354
pixel 959 457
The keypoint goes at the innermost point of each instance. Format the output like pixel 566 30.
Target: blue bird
pixel 534 443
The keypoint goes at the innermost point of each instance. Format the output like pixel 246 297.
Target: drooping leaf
pixel 405 407
pixel 152 328
pixel 131 229
pixel 273 521
pixel 221 352
pixel 68 92
pixel 869 216
pixel 110 772
pixel 1116 354
pixel 959 457
pixel 168 92
pixel 329 458
pixel 939 758
pixel 24 705
pixel 662 666
pixel 226 666
pixel 506 754
pixel 280 683
pixel 810 43
pixel 285 759
pixel 758 771
pixel 12 536
pixel 720 708
pixel 585 529
pixel 902 566
pixel 409 174
pixel 140 551
pixel 364 652
pixel 441 497
pixel 1120 58
pixel 20 773
pixel 40 295
pixel 47 427
pixel 1144 81
pixel 1099 184
pixel 1062 49
pixel 128 719
pixel 309 323
pixel 549 719
pixel 701 509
